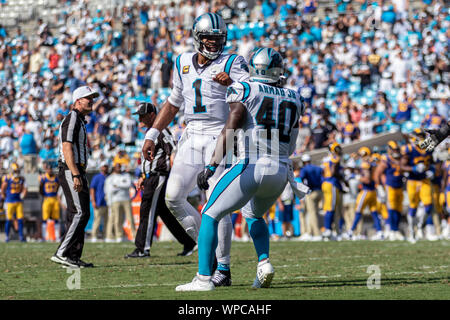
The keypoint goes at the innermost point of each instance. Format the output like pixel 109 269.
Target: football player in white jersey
pixel 268 115
pixel 200 81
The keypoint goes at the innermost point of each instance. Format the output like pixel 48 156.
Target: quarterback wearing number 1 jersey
pixel 200 81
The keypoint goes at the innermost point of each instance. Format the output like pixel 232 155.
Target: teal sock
pixel 260 235
pixel 207 244
pixel 223 267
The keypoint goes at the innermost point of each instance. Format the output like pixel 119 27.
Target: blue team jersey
pixel 416 156
pixel 371 185
pixel 404 110
pixel 311 175
pixel 433 121
pixel 394 177
pixel 14 188
pixel 334 160
pixel 49 185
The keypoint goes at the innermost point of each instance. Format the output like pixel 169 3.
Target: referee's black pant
pixel 78 213
pixel 153 204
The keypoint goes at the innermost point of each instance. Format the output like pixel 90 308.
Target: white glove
pixel 300 189
pixel 429 174
pixel 381 193
pixel 420 167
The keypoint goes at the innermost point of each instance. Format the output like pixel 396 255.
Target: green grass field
pixel 303 271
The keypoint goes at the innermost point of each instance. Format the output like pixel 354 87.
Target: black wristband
pixel 76 176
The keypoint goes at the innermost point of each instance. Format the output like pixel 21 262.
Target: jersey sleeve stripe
pixel 230 63
pixel 178 65
pixel 246 91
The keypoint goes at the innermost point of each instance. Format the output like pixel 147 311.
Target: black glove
pixel 202 177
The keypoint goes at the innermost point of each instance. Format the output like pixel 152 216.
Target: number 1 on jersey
pixel 198 108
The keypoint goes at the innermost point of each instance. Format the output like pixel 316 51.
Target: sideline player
pixel 200 81
pixel 388 178
pixel 48 188
pixel 332 188
pixel 268 115
pixel 367 196
pixel 417 163
pixel 14 190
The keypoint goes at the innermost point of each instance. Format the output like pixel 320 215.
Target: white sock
pixel 224 235
pixel 44 230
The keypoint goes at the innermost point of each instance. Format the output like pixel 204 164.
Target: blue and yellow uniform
pixel 418 186
pixel 13 200
pixel 433 121
pixel 404 110
pixel 367 197
pixel 50 205
pixel 306 119
pixel 447 185
pixel 350 131
pixel 13 186
pixel 394 189
pixel 393 183
pixel 331 187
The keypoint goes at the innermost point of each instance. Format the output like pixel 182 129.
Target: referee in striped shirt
pixel 153 182
pixel 73 158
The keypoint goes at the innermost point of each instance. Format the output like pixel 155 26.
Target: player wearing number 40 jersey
pixel 200 81
pixel 268 115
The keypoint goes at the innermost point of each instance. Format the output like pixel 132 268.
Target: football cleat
pixel 138 254
pixel 65 261
pixel 378 236
pixel 83 264
pixel 199 283
pixel 411 239
pixel 398 236
pixel 187 251
pixel 419 234
pixel 264 274
pixel 221 278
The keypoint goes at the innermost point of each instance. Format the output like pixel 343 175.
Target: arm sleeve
pixel 94 183
pixel 68 127
pixel 236 92
pixel 176 95
pixel 442 133
pixel 239 70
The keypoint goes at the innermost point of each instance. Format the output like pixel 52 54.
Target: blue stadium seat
pixel 416 118
pixel 259 30
pixel 231 32
pixel 392 94
pixel 331 90
pixel 408 126
pixel 354 88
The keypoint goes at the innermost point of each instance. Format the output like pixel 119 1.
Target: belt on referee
pixel 80 166
pixel 152 174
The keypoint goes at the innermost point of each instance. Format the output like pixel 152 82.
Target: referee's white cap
pixel 84 92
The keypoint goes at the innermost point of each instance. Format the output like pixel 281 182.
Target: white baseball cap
pixel 306 157
pixel 104 163
pixel 83 92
